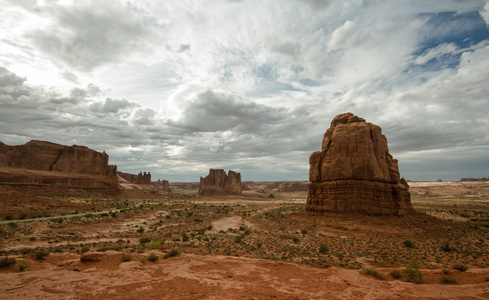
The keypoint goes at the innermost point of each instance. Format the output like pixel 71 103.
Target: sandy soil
pixel 64 276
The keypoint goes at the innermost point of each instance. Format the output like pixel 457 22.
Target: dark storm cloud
pixel 217 111
pixel 88 35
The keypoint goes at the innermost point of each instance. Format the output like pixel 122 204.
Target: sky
pixel 178 87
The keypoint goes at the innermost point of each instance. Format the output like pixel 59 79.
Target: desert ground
pixel 75 244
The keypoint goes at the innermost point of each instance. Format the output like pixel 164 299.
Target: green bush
pixel 373 272
pixel 32 239
pixel 408 244
pixel 155 243
pixel 185 237
pixel 125 258
pixel 172 253
pixel 295 239
pixel 41 253
pixel 396 274
pixel 13 224
pixel 412 272
pixel 144 240
pixel 445 279
pixel 446 271
pixel 446 247
pixel 153 257
pixel 22 266
pixel 58 250
pixel 84 249
pixel 460 267
pixel 7 261
pixel 323 249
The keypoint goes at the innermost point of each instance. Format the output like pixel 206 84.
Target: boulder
pixel 354 172
pixel 220 183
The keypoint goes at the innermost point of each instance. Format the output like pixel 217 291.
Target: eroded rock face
pixel 161 185
pixel 297 186
pixel 354 172
pixel 40 162
pixel 220 183
pixel 141 178
pixel 47 156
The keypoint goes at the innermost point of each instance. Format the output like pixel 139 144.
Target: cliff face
pixel 141 178
pixel 220 183
pixel 161 185
pixel 354 172
pixel 51 163
pixel 46 156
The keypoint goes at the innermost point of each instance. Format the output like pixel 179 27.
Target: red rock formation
pixel 220 183
pixel 161 185
pixel 141 178
pixel 51 163
pixel 354 172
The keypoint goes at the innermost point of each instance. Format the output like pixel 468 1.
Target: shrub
pixel 32 239
pixel 140 230
pixel 408 244
pixel 323 249
pixel 58 250
pixel 9 217
pixel 172 253
pixel 153 257
pixel 41 253
pixel 22 266
pixel 144 240
pixel 460 267
pixel 486 278
pixel 446 247
pixel 373 272
pixel 446 271
pixel 185 237
pixel 13 224
pixel 7 261
pixel 412 272
pixel 295 239
pixel 125 258
pixel 396 274
pixel 25 250
pixel 445 279
pixel 84 249
pixel 155 243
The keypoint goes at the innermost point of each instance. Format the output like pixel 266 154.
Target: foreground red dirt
pixel 64 276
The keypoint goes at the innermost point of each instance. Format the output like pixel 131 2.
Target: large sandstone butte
pixel 40 162
pixel 220 183
pixel 354 172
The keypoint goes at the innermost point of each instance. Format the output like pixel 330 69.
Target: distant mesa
pixel 295 186
pixel 354 172
pixel 40 162
pixel 161 185
pixel 475 179
pixel 220 183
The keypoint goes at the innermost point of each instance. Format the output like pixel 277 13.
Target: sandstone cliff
pixel 50 163
pixel 354 172
pixel 161 185
pixel 220 183
pixel 297 186
pixel 141 178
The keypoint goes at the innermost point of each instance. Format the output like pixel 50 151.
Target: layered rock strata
pixel 354 172
pixel 141 178
pixel 40 162
pixel 220 183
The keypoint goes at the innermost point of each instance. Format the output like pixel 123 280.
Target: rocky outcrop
pixel 220 183
pixel 40 162
pixel 141 178
pixel 161 185
pixel 297 186
pixel 354 172
pixel 475 179
pixel 47 156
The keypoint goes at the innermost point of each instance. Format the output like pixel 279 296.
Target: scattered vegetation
pixel 22 266
pixel 153 257
pixel 41 254
pixel 412 272
pixel 445 279
pixel 7 261
pixel 396 274
pixel 460 267
pixel 373 272
pixel 172 253
pixel 126 258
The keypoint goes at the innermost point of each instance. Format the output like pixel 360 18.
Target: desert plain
pixel 71 243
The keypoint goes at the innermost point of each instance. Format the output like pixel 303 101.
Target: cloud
pixel 484 12
pixel 437 52
pixel 85 38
